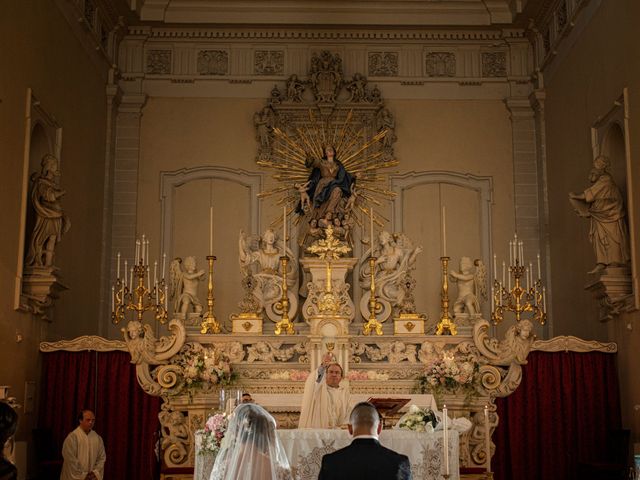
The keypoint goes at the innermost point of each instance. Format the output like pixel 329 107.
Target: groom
pixel 365 458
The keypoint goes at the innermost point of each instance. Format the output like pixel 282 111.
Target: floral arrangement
pixel 418 419
pixel 213 433
pixel 450 374
pixel 367 375
pixel 203 367
pixel 294 375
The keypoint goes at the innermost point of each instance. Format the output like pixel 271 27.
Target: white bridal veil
pixel 250 448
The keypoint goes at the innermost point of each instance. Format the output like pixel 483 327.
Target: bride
pixel 250 449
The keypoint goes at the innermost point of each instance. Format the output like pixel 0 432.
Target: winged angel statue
pixel 329 170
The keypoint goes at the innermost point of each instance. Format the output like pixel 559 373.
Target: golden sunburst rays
pixel 360 150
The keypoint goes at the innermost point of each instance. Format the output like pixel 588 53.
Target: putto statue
pixel 472 286
pixel 184 286
pixel 602 202
pixel 395 260
pixel 51 222
pixel 260 261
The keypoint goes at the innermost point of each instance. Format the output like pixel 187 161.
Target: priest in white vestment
pixel 325 403
pixel 83 451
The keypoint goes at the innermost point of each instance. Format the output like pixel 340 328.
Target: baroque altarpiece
pixel 329 140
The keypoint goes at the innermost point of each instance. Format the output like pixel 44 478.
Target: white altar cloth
pixel 305 448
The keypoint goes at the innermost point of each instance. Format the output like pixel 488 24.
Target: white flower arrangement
pixel 203 367
pixel 450 374
pixel 418 420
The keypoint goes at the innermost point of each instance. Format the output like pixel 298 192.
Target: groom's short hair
pixel 364 414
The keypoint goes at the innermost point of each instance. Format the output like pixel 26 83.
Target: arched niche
pixel 187 196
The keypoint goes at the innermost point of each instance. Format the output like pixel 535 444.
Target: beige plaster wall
pixel 41 53
pixel 471 137
pixel 601 63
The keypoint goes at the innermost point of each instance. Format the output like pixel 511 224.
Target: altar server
pixel 83 451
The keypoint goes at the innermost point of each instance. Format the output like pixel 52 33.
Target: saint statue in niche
pixel 51 222
pixel 602 202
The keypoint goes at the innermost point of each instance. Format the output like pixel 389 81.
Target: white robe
pixel 82 453
pixel 324 406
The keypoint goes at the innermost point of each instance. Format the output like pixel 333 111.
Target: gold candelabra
pixel 520 298
pixel 209 322
pixel 130 292
pixel 446 325
pixel 283 304
pixel 374 305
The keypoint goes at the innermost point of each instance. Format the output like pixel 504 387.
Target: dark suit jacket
pixel 365 459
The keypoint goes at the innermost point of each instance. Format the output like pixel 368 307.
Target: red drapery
pixel 126 417
pixel 558 416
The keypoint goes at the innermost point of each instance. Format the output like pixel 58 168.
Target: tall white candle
pixel 371 229
pixel 521 252
pixel 527 275
pixel 164 263
pixel 487 438
pixel 539 277
pixel 531 272
pixel 210 230
pixel 503 274
pixel 492 299
pixel 544 299
pixel 495 269
pixel 510 252
pixel 444 231
pixel 126 270
pixel 131 287
pixel 113 298
pixel 155 272
pixel 166 299
pixel 146 254
pixel 137 257
pixel 144 246
pixel 118 274
pixel 284 230
pixel 445 435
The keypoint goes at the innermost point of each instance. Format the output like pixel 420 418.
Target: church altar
pixel 305 448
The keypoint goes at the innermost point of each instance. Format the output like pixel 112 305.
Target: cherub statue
pixel 260 258
pixel 260 351
pixel 472 287
pixel 396 258
pixel 184 285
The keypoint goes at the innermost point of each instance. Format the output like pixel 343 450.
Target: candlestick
pixel 164 263
pixel 487 437
pixel 126 270
pixel 503 273
pixel 445 435
pixel 544 298
pixel 210 230
pixel 131 287
pixel 113 301
pixel 284 230
pixel 166 299
pixel 155 272
pixel 137 257
pixel 539 277
pixel 118 275
pixel 142 249
pixel 444 231
pixel 492 298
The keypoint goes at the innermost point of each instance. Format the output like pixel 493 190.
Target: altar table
pixel 305 448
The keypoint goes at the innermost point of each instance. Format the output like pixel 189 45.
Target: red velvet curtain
pixel 126 417
pixel 558 416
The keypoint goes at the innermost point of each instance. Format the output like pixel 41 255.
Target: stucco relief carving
pixel 383 64
pixel 494 64
pixel 176 436
pixel 213 62
pixel 268 62
pixel 440 64
pixel 394 352
pixel 275 351
pixel 159 62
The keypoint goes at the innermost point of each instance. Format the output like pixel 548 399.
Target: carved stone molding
pixel 86 342
pixel 323 34
pixel 573 344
